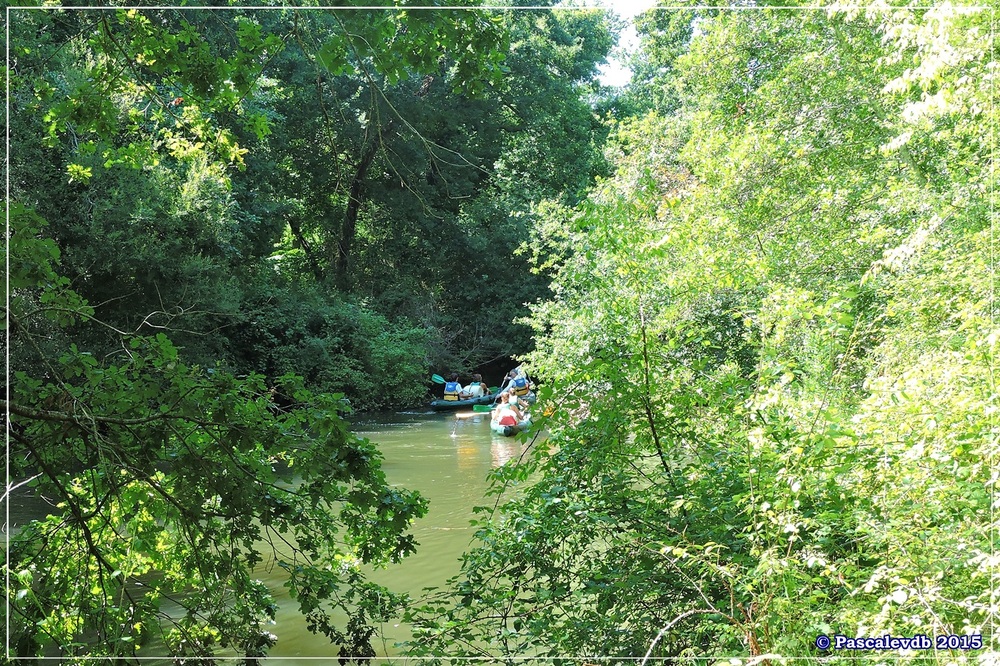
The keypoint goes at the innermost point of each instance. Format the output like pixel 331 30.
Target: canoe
pixel 448 405
pixel 511 430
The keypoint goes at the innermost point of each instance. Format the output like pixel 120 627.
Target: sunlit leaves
pixel 333 57
pixel 171 483
pixel 772 325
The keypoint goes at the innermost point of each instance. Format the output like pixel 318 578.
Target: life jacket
pixel 520 386
pixel 451 391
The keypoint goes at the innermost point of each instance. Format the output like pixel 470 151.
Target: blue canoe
pixel 448 405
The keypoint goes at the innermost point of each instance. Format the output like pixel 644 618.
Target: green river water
pixel 446 459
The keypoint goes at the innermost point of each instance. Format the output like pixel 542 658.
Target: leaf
pixel 333 57
pixel 79 173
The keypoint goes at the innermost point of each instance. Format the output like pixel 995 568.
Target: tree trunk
pixel 296 228
pixel 350 225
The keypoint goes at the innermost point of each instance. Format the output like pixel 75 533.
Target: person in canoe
pixel 505 414
pixel 475 389
pixel 452 389
pixel 518 383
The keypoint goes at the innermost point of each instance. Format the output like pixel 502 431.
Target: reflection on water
pixel 446 457
pixel 505 449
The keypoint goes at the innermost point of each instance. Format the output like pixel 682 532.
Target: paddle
pixel 482 408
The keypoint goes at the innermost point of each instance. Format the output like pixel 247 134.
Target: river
pixel 444 457
pixel 447 459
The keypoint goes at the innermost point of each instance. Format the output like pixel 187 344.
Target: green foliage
pixel 664 37
pixel 768 354
pixel 260 214
pixel 337 346
pixel 441 184
pixel 762 310
pixel 175 154
pixel 172 483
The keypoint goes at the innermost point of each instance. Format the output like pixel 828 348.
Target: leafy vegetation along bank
pixel 771 344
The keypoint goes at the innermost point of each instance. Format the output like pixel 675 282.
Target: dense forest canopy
pixel 338 194
pixel 757 283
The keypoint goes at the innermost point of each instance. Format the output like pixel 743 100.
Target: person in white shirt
pixel 505 414
pixel 477 389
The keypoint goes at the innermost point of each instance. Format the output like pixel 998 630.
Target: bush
pixel 336 345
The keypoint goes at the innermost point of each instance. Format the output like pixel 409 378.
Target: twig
pixel 667 628
pixel 11 489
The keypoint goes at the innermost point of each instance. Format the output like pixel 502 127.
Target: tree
pixel 172 482
pixel 172 478
pixel 433 189
pixel 769 378
pixel 150 139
